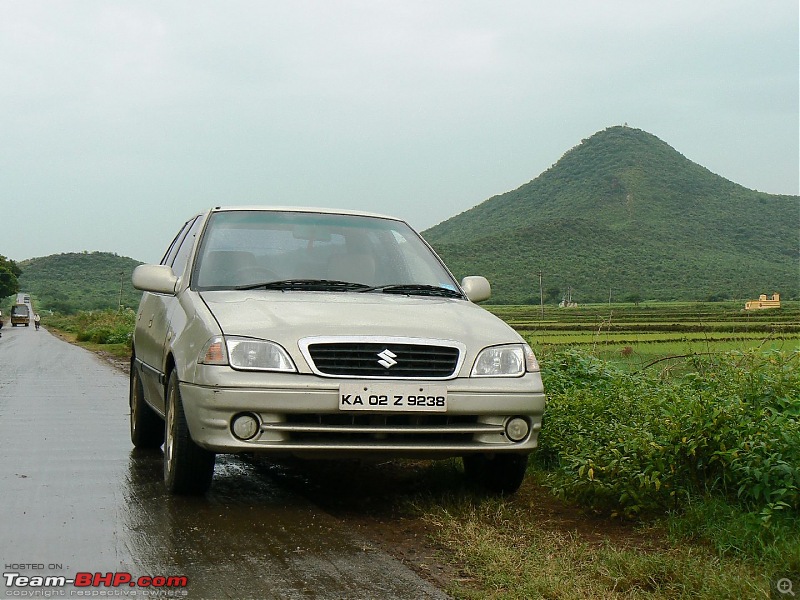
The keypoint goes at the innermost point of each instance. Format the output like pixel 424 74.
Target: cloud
pixel 421 109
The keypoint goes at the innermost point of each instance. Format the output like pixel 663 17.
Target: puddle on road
pixel 241 504
pixel 248 526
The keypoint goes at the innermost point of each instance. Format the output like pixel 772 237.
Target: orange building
pixel 764 302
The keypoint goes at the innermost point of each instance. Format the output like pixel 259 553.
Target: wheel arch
pixel 169 367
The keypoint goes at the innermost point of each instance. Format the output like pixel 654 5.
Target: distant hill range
pixel 80 281
pixel 624 215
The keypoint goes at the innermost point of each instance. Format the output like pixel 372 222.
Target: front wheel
pixel 188 468
pixel 498 474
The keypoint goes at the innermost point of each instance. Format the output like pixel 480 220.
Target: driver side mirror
pixel 158 279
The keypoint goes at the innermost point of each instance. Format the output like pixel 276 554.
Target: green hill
pixel 625 214
pixel 70 282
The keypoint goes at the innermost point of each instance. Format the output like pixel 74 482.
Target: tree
pixel 636 298
pixel 9 271
pixel 552 294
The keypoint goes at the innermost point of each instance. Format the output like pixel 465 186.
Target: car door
pixel 152 331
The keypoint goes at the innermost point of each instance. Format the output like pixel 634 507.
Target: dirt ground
pixel 366 497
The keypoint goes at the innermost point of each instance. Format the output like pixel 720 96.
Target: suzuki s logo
pixel 387 358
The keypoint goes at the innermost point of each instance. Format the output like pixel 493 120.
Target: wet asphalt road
pixel 75 497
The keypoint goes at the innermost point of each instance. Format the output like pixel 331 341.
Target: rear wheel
pixel 188 468
pixel 147 428
pixel 498 474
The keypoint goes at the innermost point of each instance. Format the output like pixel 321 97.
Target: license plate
pixel 393 397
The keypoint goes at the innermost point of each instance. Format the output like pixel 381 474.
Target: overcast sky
pixel 120 120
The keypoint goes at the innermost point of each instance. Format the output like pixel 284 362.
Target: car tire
pixel 147 428
pixel 188 468
pixel 500 474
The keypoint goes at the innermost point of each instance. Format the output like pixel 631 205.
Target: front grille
pixel 363 359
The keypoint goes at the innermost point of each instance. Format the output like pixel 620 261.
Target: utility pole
pixel 541 295
pixel 121 282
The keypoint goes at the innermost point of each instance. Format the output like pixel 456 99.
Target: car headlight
pixel 505 361
pixel 246 354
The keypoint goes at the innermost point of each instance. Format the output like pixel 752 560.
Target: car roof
pixel 305 209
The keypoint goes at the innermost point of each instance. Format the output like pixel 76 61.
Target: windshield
pixel 314 251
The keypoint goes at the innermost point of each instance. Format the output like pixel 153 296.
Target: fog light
pixel 517 429
pixel 244 426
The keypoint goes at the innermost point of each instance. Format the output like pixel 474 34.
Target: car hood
pixel 285 317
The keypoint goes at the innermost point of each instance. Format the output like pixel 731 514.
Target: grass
pixel 116 350
pixel 504 553
pixel 106 331
pixel 732 532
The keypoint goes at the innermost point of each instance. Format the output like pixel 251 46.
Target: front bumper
pixel 301 417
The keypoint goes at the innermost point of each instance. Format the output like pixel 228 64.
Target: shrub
pixel 98 327
pixel 633 443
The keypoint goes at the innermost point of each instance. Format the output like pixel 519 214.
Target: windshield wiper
pixel 415 289
pixel 312 285
pixel 333 285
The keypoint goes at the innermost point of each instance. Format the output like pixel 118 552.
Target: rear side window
pixel 178 263
pixel 169 255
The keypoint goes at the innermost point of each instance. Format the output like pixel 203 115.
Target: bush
pixel 633 443
pixel 98 327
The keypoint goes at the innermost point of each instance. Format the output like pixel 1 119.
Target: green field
pixel 637 335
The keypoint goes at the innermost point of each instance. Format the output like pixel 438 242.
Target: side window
pixel 178 263
pixel 169 255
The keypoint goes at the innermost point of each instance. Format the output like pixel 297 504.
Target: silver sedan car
pixel 324 334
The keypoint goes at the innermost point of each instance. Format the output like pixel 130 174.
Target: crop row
pixel 665 327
